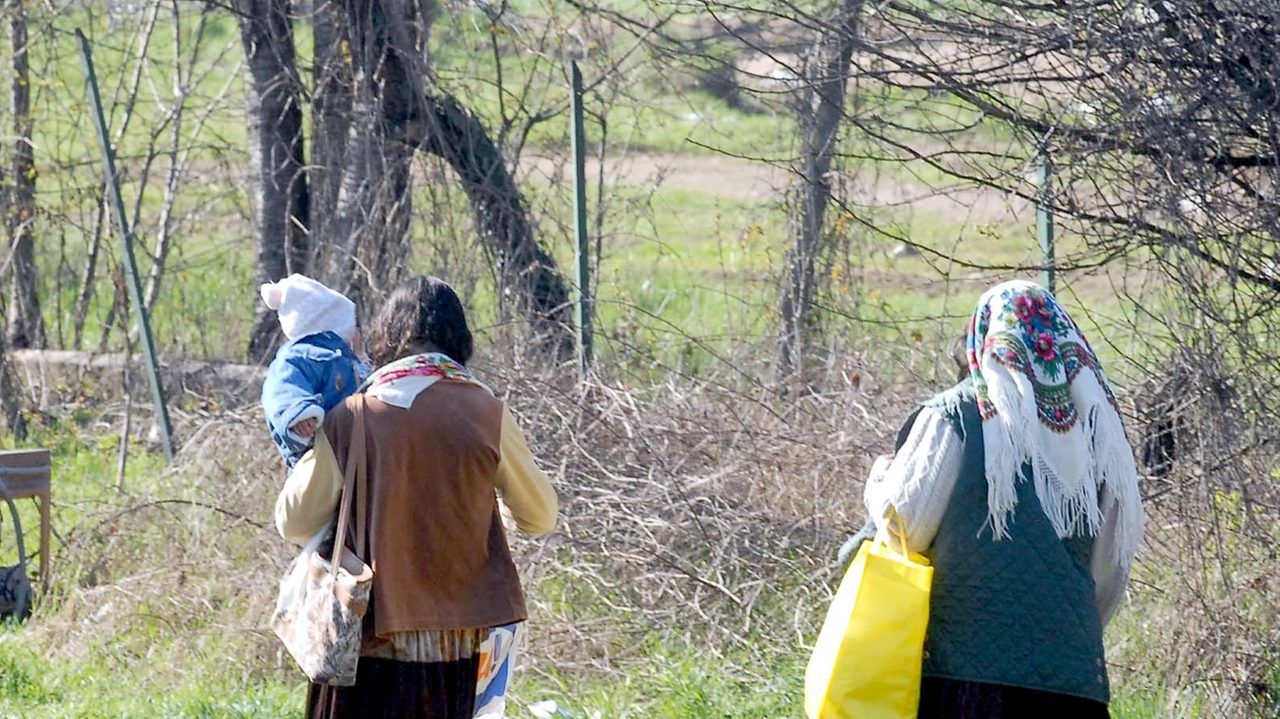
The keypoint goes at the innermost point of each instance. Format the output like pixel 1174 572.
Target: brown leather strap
pixel 362 481
pixel 355 468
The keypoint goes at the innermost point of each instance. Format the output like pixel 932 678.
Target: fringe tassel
pixel 1078 475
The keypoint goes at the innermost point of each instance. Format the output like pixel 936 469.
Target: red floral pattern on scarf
pixel 1030 333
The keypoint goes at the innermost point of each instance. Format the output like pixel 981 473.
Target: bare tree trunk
pixel 454 133
pixel 388 43
pixel 279 191
pixel 354 200
pixel 85 294
pixel 371 223
pixel 177 162
pixel 382 259
pixel 330 123
pixel 10 399
pixel 353 209
pixel 825 76
pixel 398 82
pixel 26 325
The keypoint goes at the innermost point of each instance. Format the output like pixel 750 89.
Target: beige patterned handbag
pixel 320 612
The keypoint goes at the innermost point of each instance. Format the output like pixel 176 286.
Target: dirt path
pixel 717 174
pixel 761 181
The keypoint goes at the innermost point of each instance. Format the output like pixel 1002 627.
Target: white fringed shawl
pixel 1045 401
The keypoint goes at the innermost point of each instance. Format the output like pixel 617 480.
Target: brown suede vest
pixel 435 538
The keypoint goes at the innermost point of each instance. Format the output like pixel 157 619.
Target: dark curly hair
pixel 423 314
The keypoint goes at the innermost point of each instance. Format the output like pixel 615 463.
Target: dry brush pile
pixel 707 506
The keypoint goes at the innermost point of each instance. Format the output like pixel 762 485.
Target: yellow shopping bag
pixel 866 662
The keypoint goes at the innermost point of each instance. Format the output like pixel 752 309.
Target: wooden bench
pixel 28 473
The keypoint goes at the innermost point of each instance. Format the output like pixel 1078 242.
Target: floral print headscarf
pixel 1046 406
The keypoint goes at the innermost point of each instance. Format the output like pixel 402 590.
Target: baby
pixel 316 369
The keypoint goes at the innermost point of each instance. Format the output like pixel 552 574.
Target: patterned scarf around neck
pixel 431 365
pixel 1046 402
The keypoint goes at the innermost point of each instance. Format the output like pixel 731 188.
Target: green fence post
pixel 126 236
pixel 1044 219
pixel 582 315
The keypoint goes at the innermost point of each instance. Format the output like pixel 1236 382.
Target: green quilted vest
pixel 1020 611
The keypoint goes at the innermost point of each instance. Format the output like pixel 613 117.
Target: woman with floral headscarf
pixel 1020 486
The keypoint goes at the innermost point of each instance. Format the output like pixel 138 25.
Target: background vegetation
pixel 776 284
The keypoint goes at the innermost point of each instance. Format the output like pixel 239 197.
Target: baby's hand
pixel 306 428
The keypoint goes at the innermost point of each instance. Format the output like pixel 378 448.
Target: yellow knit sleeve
pixel 310 495
pixel 525 489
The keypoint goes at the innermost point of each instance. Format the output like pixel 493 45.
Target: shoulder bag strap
pixel 355 458
pixel 362 480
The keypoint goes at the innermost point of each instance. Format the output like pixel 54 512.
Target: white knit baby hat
pixel 307 307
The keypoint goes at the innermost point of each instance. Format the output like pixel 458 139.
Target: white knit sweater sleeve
pixel 918 484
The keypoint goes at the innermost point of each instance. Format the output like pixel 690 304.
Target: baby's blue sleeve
pixel 290 389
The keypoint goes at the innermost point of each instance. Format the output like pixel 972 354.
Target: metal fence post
pixel 1044 219
pixel 126 237
pixel 582 315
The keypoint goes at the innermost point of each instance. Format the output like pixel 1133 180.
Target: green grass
pixel 677 679
pixel 160 657
pixel 33 687
pixel 673 679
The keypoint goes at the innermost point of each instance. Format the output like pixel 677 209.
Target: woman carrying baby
pixel 438 446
